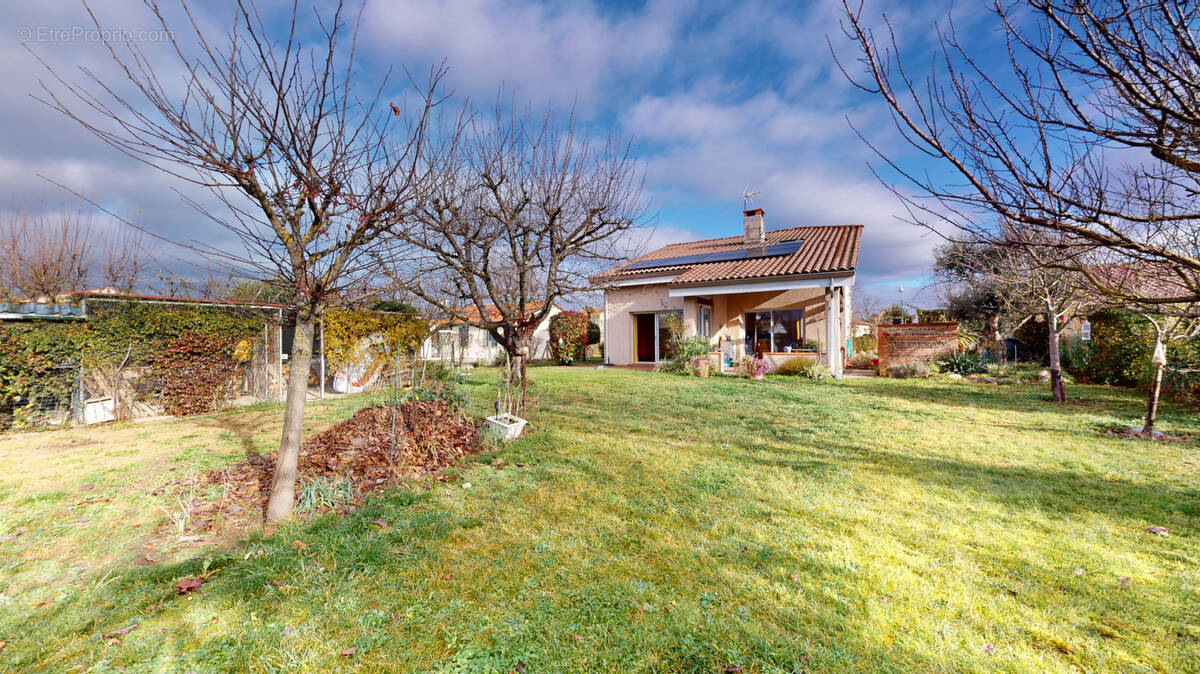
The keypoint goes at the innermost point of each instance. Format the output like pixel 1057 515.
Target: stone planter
pixel 509 426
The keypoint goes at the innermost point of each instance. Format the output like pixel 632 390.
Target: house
pixel 459 342
pixel 782 293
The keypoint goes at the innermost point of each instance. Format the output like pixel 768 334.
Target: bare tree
pixel 1088 133
pixel 1020 278
pixel 50 255
pixel 311 169
pixel 524 210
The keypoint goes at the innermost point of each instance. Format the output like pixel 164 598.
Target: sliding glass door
pixel 652 337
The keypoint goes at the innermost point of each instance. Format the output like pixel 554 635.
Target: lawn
pixel 651 523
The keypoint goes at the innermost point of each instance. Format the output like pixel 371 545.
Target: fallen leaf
pixel 795 576
pixel 1124 582
pixel 45 602
pixel 380 522
pixel 349 651
pixel 3 644
pixel 730 669
pixel 520 666
pixel 299 545
pixel 187 585
pixel 1161 531
pixel 288 630
pixel 989 649
pixel 121 632
pixel 143 560
pixel 1078 571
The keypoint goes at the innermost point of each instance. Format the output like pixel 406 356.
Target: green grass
pixel 658 523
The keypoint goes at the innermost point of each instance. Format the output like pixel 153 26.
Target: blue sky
pixel 717 96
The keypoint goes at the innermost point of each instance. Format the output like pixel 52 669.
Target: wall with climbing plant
pixel 178 358
pixel 346 330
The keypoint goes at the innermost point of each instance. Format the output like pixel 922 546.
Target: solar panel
pixel 773 250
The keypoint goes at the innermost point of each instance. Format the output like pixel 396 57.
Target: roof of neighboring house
pixel 827 249
pixel 1148 280
pixel 471 314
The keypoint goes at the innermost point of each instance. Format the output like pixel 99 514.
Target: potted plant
pixel 700 366
pixel 504 425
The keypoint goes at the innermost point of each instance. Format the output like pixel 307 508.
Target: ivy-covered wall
pixel 184 355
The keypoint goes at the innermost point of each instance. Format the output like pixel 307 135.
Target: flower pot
pixel 509 425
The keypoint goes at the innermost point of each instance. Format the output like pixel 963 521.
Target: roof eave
pixel 841 273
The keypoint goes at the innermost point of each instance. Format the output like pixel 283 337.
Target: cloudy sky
pixel 716 96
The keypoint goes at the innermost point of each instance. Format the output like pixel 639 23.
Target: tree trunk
pixel 1152 402
pixel 993 337
pixel 518 380
pixel 283 487
pixel 1057 394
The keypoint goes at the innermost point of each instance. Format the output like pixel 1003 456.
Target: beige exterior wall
pixel 727 315
pixel 479 347
pixel 622 304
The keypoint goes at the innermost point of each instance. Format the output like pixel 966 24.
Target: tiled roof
pixel 826 250
pixel 470 314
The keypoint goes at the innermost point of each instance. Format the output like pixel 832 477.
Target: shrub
pixel 909 370
pixel 1075 353
pixel 444 391
pixel 803 367
pixel 865 343
pixel 568 336
pixel 958 362
pixel 1183 384
pixel 686 351
pixel 967 338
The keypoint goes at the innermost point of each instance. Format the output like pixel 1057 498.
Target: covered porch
pixel 782 320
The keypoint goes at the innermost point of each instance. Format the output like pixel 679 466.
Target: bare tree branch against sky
pixel 715 96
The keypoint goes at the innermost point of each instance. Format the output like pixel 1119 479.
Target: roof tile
pixel 826 249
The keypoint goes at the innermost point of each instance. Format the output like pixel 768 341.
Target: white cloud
pixel 558 52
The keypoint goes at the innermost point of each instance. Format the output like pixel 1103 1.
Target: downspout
pixel 322 383
pixel 604 340
pixel 279 359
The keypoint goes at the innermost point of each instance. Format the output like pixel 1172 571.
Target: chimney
pixel 756 226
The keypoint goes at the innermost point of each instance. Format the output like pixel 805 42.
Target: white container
pixel 509 425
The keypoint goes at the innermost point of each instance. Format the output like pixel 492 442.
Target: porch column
pixel 833 333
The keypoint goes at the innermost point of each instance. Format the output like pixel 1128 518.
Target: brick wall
pixel 915 342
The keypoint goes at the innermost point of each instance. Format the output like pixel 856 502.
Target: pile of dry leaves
pixel 363 450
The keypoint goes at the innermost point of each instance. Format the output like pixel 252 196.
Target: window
pixel 787 329
pixel 1085 330
pixel 775 331
pixel 464 336
pixel 704 321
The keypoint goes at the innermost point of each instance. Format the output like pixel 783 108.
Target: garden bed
pixel 357 456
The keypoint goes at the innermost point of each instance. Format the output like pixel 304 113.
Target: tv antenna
pixel 748 197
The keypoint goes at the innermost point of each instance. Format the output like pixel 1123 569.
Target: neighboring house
pixel 784 293
pixel 460 342
pixel 861 328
